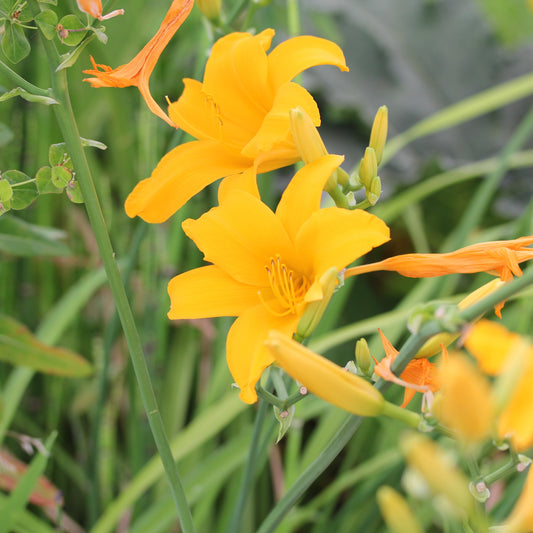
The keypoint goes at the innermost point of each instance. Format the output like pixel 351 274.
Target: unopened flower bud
pixel 210 8
pixel 362 356
pixel 306 137
pixel 378 135
pixel 396 511
pixel 442 476
pixel 374 192
pixel 368 168
pixel 324 378
pixel 314 310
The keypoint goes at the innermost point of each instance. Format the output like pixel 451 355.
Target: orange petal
pixel 302 196
pixel 295 55
pixel 245 181
pixel 92 7
pixel 334 237
pixel 246 353
pixel 138 70
pixel 208 292
pixel 182 173
pixel 241 236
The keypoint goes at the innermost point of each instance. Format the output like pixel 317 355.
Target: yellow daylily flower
pixel 494 347
pixel 521 518
pixel 266 267
pixel 240 116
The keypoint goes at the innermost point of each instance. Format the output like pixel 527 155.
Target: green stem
pixel 249 469
pixel 21 82
pixel 410 418
pixel 69 129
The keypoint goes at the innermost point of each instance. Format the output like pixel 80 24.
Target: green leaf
pixel 5 134
pixel 6 192
pixel 74 192
pixel 18 237
pixel 44 181
pixel 100 35
pixel 93 144
pixel 17 501
pixel 51 2
pixel 24 188
pixel 57 154
pixel 61 176
pixel 47 22
pixel 71 57
pixel 19 347
pixel 73 25
pixel 285 419
pixel 19 91
pixel 14 44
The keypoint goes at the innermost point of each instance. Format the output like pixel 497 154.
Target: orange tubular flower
pixel 94 8
pixel 419 375
pixel 137 72
pixel 240 116
pixel 501 258
pixel 267 267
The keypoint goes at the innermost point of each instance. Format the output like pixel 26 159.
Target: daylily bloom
pixel 137 72
pixel 501 258
pixel 420 375
pixel 240 116
pixel 266 267
pixel 499 351
pixel 465 403
pixel 94 8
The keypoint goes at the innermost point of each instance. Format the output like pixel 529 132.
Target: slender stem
pixel 249 469
pixel 410 418
pixel 68 126
pixel 21 82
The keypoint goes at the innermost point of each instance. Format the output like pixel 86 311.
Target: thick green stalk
pixel 67 124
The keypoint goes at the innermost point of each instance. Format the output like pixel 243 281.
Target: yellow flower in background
pixel 465 403
pixel 266 267
pixel 240 116
pixel 137 72
pixel 498 351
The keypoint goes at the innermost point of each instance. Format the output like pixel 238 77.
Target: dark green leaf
pixel 18 237
pixel 44 181
pixel 24 188
pixel 47 22
pixel 73 25
pixel 14 44
pixel 61 176
pixel 19 347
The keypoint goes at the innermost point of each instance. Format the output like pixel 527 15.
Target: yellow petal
pixel 245 181
pixel 208 292
pixel 182 173
pixel 247 355
pixel 295 55
pixel 241 236
pixel 302 196
pixel 324 378
pixel 334 237
pixel 276 126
